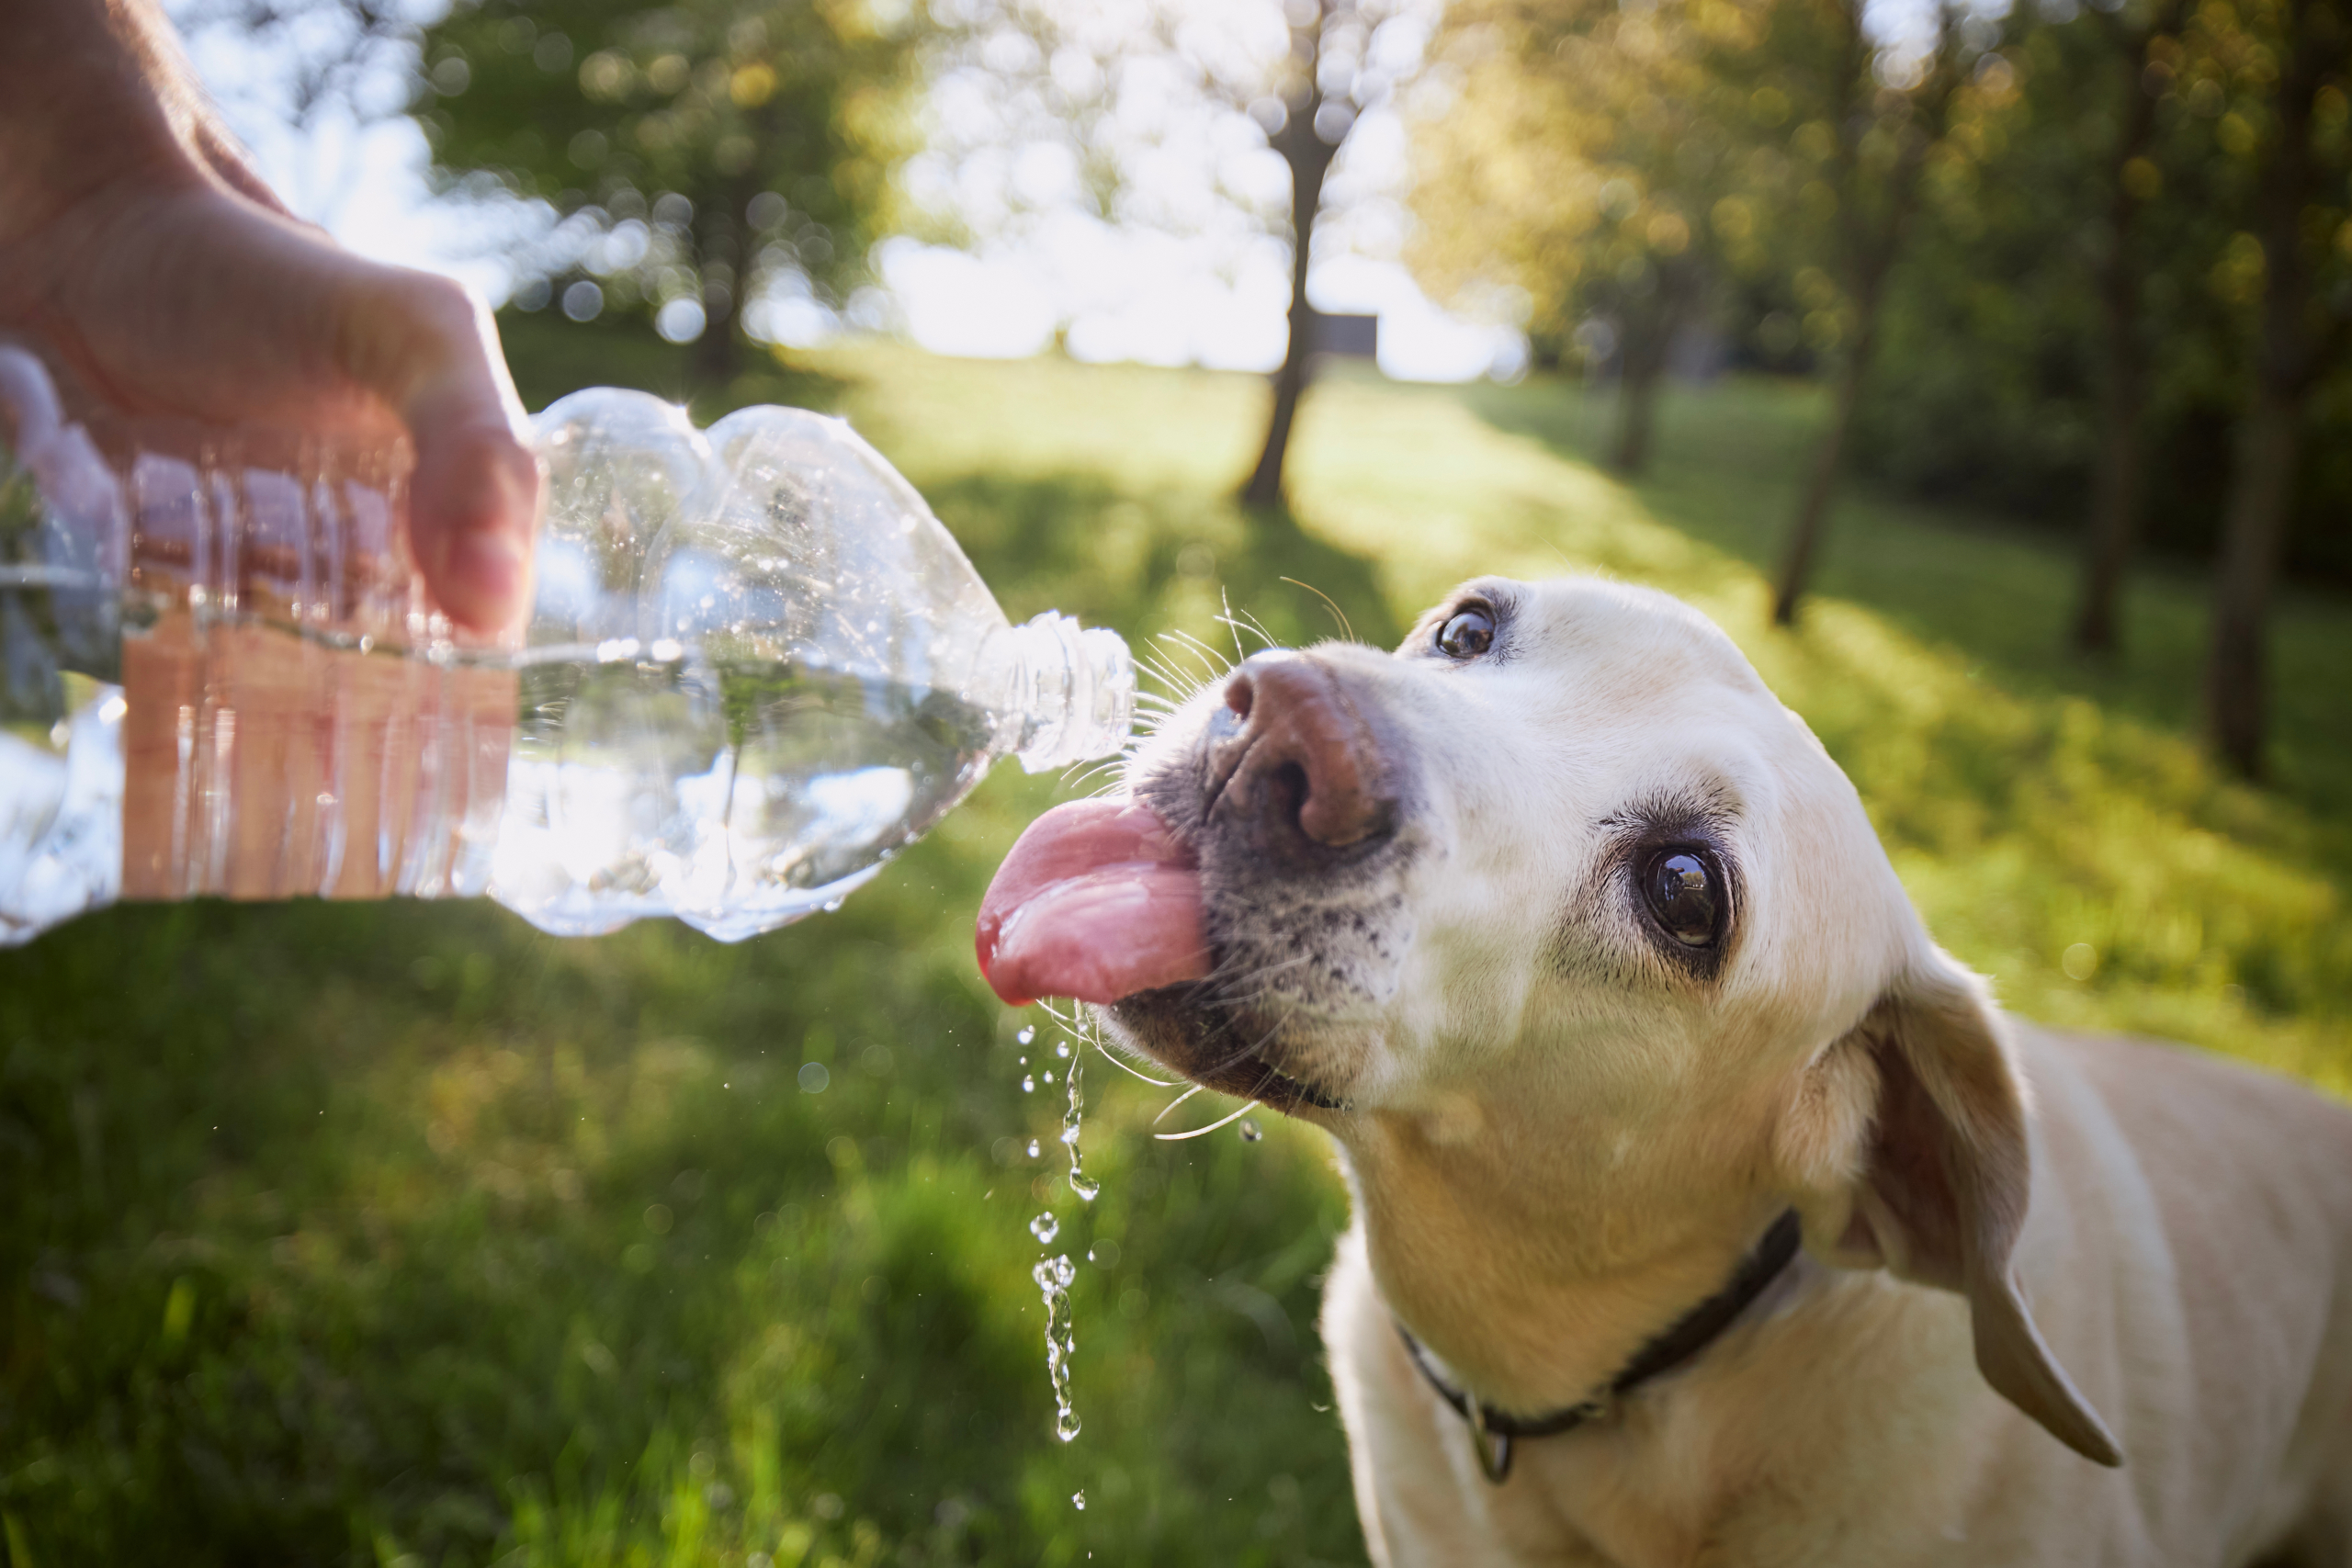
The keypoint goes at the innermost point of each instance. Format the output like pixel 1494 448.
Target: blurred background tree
pixel 709 153
pixel 1602 161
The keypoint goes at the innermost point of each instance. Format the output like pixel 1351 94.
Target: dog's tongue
pixel 1096 902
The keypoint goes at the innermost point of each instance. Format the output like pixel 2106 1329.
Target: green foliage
pixel 403 1234
pixel 780 125
pixel 1986 390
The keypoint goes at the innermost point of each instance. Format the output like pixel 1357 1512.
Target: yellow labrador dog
pixel 1586 954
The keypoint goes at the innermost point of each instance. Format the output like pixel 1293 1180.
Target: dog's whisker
pixel 1161 1083
pixel 1181 684
pixel 1246 1054
pixel 1206 650
pixel 1260 628
pixel 1329 603
pixel 1204 1132
pixel 1174 1103
pixel 1239 628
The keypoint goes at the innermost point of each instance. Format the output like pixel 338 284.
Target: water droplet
pixel 1250 1131
pixel 1085 1186
pixel 1049 1077
pixel 1032 1149
pixel 1090 1255
pixel 1053 1276
pixel 1028 1084
pixel 1044 1227
pixel 1027 1034
pixel 1062 1050
pixel 832 904
pixel 1077 1501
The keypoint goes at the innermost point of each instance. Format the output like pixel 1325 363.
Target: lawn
pixel 407 1235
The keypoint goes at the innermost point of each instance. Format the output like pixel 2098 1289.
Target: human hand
pixel 138 250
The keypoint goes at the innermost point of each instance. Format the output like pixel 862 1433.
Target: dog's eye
pixel 1685 895
pixel 1467 633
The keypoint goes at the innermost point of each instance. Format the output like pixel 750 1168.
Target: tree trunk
pixel 1650 326
pixel 1812 511
pixel 2290 357
pixel 2117 497
pixel 717 358
pixel 1870 251
pixel 1309 158
pixel 1265 486
pixel 1636 413
pixel 2117 486
pixel 2262 476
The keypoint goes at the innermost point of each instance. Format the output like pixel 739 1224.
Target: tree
pixel 2132 179
pixel 1316 95
pixel 1882 114
pixel 1120 94
pixel 707 149
pixel 1598 160
pixel 2293 124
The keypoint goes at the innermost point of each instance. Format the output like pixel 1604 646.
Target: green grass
pixel 404 1233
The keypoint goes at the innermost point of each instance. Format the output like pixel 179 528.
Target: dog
pixel 1705 1211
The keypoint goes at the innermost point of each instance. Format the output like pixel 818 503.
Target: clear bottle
pixel 756 668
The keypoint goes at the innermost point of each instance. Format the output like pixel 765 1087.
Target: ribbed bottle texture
pixel 756 667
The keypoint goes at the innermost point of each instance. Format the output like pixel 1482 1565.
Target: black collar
pixel 1492 1431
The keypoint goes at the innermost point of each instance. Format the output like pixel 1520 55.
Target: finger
pixel 431 352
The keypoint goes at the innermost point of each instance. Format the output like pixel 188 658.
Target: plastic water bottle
pixel 756 668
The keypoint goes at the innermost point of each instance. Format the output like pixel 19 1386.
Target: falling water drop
pixel 1085 1186
pixel 1077 1501
pixel 1062 1050
pixel 1054 1276
pixel 1032 1149
pixel 1028 1084
pixel 1250 1131
pixel 1044 1227
pixel 1049 1076
pixel 1027 1034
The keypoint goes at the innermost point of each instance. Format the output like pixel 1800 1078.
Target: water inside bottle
pixel 61 811
pixel 738 796
pixel 825 776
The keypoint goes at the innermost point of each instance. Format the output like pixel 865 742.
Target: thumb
pixel 430 351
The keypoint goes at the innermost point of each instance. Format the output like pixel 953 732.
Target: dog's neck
pixel 1536 1260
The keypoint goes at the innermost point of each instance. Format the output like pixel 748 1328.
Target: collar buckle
pixel 1491 1448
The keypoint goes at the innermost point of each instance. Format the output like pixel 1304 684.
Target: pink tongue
pixel 1094 902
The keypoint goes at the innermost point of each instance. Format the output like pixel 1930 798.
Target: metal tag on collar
pixel 1493 1448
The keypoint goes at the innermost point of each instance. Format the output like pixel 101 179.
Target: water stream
pixel 1055 1274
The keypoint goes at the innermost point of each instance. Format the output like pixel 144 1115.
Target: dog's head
pixel 1556 898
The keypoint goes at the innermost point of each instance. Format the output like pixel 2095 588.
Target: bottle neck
pixel 1062 694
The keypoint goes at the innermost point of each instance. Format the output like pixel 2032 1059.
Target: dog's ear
pixel 1946 1176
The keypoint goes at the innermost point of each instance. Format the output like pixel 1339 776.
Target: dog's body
pixel 1588 956
pixel 2188 1255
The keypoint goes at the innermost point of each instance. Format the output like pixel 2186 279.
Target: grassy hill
pixel 406 1235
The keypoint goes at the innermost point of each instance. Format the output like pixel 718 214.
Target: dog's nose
pixel 1294 752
